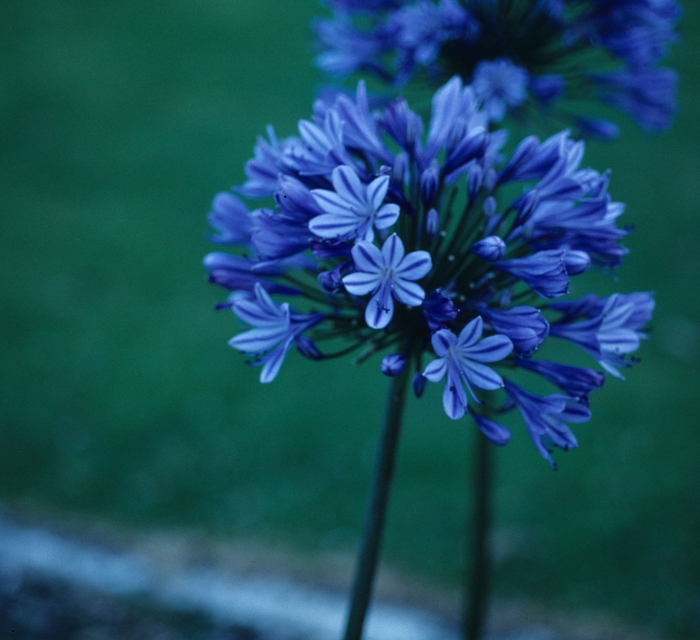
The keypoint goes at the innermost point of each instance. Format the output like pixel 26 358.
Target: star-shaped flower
pixel 353 209
pixel 274 330
pixel 388 274
pixel 460 358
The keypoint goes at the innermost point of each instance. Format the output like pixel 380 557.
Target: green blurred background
pixel 121 400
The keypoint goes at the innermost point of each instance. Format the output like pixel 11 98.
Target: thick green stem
pixel 476 595
pixel 377 506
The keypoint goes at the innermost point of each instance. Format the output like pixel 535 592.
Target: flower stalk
pixel 377 503
pixel 477 579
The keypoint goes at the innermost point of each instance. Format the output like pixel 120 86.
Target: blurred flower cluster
pixel 429 243
pixel 521 56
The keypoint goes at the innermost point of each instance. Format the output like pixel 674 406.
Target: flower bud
pixel 393 364
pixel 432 223
pixel 576 262
pixel 491 248
pixel 429 184
pixel 490 206
pixel 419 384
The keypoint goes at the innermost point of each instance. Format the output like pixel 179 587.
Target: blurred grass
pixel 119 396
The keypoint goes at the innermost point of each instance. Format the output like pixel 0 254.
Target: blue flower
pixel 382 234
pixel 549 55
pixel 388 274
pixel 526 327
pixel 230 218
pixel 275 328
pixel 576 381
pixel 546 416
pixel 353 209
pixel 501 86
pixel 612 330
pixel 461 358
pixel 544 272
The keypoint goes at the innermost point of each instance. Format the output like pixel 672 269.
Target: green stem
pixel 475 597
pixel 376 506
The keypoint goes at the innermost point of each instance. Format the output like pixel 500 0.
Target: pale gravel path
pixel 276 608
pixel 59 586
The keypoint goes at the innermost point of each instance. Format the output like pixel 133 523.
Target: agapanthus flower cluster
pixel 521 56
pixel 435 248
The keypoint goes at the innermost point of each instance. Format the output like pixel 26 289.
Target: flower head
pixel 426 243
pixel 518 55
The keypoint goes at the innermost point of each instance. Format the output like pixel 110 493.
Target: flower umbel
pixel 519 55
pixel 430 248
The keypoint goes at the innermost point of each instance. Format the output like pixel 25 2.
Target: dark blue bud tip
pixel 419 384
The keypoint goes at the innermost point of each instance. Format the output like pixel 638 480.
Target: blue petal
pixel 442 340
pixel 367 257
pixel 361 283
pixel 481 376
pixel 258 340
pixel 387 215
pixel 454 397
pixel 471 332
pixel 376 191
pixel 407 292
pixel 331 202
pixel 436 370
pixel 348 185
pixel 415 265
pixel 333 225
pixel 392 251
pixel 274 361
pixel 491 349
pixel 380 309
